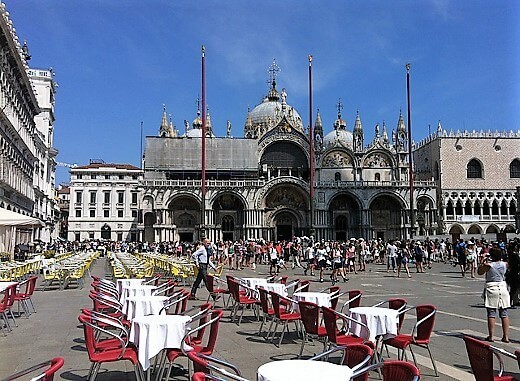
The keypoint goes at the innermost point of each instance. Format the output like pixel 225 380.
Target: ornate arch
pixel 397 196
pixel 378 159
pixel 337 158
pixel 261 194
pixel 456 229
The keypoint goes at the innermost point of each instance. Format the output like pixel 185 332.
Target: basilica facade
pixel 258 186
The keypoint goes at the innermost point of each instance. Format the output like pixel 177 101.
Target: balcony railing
pixel 374 184
pixel 209 183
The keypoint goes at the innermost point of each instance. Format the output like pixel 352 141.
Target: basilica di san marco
pixel 258 186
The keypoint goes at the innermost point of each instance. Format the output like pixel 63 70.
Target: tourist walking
pixel 402 259
pixel 201 256
pixel 391 254
pixel 471 258
pixel 495 293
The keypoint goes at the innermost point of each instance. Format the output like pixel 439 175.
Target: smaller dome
pixel 341 136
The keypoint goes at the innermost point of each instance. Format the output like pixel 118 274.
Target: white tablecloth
pixel 128 283
pixel 279 288
pixel 136 306
pixel 151 334
pixel 322 299
pixel 135 290
pixel 254 282
pixel 381 322
pixel 4 285
pixel 303 370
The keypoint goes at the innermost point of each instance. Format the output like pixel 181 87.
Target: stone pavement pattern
pixel 55 331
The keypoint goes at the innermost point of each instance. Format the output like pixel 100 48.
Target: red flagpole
pixel 410 153
pixel 311 149
pixel 203 209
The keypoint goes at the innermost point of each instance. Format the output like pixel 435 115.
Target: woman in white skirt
pixel 496 295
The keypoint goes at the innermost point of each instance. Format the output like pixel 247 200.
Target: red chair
pixel 303 286
pixel 99 352
pixel 481 360
pixel 200 376
pixel 282 315
pixel 207 349
pixel 310 316
pixel 215 292
pixel 240 300
pixel 267 311
pixel 48 375
pixel 342 338
pixel 207 364
pixel 354 300
pixel 420 335
pixel 392 370
pixel 4 308
pixel 355 356
pixel 24 297
pixel 335 293
pixel 397 304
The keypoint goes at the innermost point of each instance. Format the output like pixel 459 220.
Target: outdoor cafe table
pixel 255 282
pixel 136 306
pixel 135 290
pixel 303 370
pixel 279 288
pixel 4 285
pixel 322 299
pixel 382 322
pixel 151 334
pixel 128 283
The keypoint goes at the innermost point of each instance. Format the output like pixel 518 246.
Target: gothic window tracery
pixel 474 169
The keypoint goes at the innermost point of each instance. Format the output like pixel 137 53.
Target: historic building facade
pixel 477 175
pixel 258 186
pixel 103 202
pixel 44 176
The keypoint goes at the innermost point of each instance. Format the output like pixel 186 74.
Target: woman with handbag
pixel 495 295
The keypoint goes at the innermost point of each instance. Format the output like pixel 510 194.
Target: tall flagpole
pixel 203 208
pixel 141 158
pixel 311 153
pixel 410 153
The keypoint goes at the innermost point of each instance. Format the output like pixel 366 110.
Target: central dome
pixel 340 136
pixel 268 114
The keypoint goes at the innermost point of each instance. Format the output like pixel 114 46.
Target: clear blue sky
pixel 118 62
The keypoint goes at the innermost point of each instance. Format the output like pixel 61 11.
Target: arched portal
pixel 346 215
pixel 106 232
pixel 386 217
pixel 228 212
pixel 285 226
pixel 184 213
pixel 149 221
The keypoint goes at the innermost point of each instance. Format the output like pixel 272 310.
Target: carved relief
pixel 286 197
pixel 337 159
pixel 377 160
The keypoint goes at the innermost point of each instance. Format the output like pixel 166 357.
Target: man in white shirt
pixel 391 254
pixel 201 256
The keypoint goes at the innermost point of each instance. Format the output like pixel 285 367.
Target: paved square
pixel 55 331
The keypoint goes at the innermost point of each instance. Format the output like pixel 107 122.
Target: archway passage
pixel 386 216
pixel 184 213
pixel 149 221
pixel 228 210
pixel 346 216
pixel 106 232
pixel 285 224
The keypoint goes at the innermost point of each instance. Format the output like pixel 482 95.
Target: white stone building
pixel 19 140
pixel 476 175
pixel 44 176
pixel 104 202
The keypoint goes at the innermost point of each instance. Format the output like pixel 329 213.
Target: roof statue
pixel 228 129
